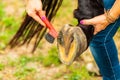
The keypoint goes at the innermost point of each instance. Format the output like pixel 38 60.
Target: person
pixel 102 45
pixel 33 9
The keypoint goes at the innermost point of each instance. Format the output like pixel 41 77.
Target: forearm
pixel 115 10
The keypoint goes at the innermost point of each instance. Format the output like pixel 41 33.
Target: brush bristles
pixel 49 38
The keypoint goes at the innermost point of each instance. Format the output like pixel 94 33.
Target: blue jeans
pixel 104 49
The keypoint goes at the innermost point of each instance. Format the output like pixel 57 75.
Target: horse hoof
pixel 71 42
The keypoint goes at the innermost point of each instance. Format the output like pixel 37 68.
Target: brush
pixel 52 33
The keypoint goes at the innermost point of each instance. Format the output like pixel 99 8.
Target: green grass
pixel 21 73
pixel 119 30
pixel 1 10
pixel 23 60
pixel 2 66
pixel 8 26
pixel 73 72
pixel 51 58
pixel 78 73
pixel 65 13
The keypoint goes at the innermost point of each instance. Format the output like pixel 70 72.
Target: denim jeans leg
pixel 105 53
pixel 104 49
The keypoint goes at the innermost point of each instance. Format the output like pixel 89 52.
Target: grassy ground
pixel 44 64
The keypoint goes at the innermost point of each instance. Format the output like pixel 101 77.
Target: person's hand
pixel 99 23
pixel 34 9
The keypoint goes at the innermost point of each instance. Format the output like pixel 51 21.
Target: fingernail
pixel 81 22
pixel 43 17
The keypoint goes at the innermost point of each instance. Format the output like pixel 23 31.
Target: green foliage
pixel 24 60
pixel 75 76
pixel 19 62
pixel 21 73
pixel 74 21
pixel 1 10
pixel 65 7
pixel 1 16
pixel 38 58
pixel 119 30
pixel 8 21
pixel 58 75
pixel 65 13
pixel 2 66
pixel 13 63
pixel 77 73
pixel 51 58
pixel 8 26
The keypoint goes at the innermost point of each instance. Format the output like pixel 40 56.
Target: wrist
pixel 110 16
pixel 113 14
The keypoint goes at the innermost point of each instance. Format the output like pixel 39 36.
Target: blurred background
pixel 20 64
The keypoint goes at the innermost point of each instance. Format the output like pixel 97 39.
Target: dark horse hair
pixel 88 9
pixel 30 28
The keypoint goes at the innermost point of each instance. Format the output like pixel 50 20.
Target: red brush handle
pixel 52 31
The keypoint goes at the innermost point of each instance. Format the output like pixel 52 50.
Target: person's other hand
pixel 34 9
pixel 99 23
